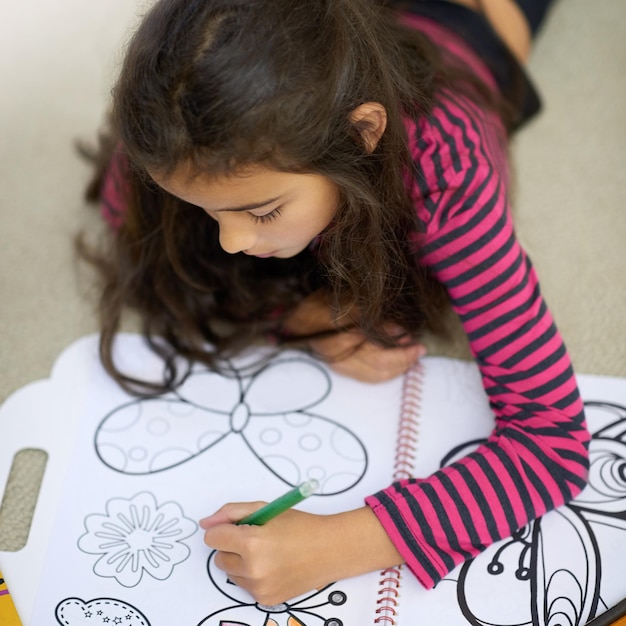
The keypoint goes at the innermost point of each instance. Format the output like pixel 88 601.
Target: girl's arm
pixel 536 457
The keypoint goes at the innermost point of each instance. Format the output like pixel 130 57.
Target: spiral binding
pixel 388 593
pixel 406 448
pixel 406 451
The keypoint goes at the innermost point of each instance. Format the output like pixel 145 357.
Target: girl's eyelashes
pixel 268 217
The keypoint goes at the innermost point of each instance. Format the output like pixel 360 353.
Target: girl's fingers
pixel 230 513
pixel 230 563
pixel 223 537
pixel 374 364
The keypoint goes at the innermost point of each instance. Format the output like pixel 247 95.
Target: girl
pixel 329 173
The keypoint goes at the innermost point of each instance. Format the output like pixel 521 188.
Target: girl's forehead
pixel 248 177
pixel 243 186
pixel 190 172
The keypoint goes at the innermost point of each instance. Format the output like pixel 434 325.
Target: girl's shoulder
pixel 461 129
pixel 457 151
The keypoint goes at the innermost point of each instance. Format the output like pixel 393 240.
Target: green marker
pixel 281 504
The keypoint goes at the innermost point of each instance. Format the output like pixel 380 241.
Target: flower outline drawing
pixel 136 536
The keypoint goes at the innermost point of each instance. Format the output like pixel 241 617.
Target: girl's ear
pixel 370 119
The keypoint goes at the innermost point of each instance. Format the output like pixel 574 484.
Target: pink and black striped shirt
pixel 536 457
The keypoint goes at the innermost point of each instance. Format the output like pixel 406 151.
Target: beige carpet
pixel 57 63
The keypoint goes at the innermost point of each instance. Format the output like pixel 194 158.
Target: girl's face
pixel 260 212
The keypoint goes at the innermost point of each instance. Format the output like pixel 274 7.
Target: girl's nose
pixel 235 235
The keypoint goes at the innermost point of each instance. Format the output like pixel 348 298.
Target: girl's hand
pixel 349 353
pixel 296 552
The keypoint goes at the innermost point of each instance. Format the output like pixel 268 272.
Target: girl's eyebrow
pixel 248 207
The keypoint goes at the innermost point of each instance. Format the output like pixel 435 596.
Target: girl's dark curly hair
pixel 223 84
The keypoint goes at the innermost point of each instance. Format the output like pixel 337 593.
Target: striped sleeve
pixel 536 457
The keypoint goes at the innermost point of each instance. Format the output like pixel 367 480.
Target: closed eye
pixel 268 217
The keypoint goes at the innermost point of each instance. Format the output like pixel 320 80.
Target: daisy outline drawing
pixel 136 536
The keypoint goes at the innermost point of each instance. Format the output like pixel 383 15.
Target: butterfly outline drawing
pixel 269 409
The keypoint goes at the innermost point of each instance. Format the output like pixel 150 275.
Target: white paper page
pixel 126 548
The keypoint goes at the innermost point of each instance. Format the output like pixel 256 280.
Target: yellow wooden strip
pixel 8 613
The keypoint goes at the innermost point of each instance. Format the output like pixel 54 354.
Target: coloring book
pixel 123 545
